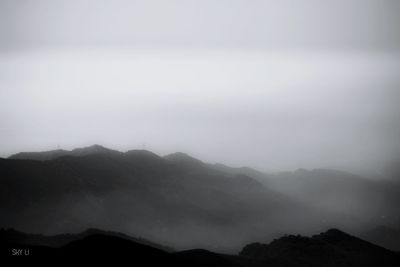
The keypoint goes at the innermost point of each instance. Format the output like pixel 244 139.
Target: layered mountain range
pixel 180 201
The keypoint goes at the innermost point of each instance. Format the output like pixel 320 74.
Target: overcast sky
pixel 271 84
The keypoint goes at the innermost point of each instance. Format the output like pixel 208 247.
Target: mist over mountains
pixel 241 93
pixel 182 202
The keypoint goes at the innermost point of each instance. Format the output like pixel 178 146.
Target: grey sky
pixel 315 24
pixel 306 24
pixel 271 84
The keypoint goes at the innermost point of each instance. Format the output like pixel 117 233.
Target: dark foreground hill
pixel 95 249
pixel 95 246
pixel 331 248
pixel 11 236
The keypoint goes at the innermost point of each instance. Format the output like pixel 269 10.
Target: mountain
pixel 179 200
pixel 175 199
pixel 330 248
pixel 185 161
pixel 54 154
pixel 94 149
pixel 383 236
pixel 47 155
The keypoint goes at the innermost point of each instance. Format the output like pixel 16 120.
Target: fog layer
pixel 270 84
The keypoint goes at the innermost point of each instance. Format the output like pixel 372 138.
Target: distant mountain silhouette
pixel 331 248
pixel 184 160
pixel 180 199
pixel 94 149
pixel 175 198
pixel 54 154
pixel 383 236
pixel 47 155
